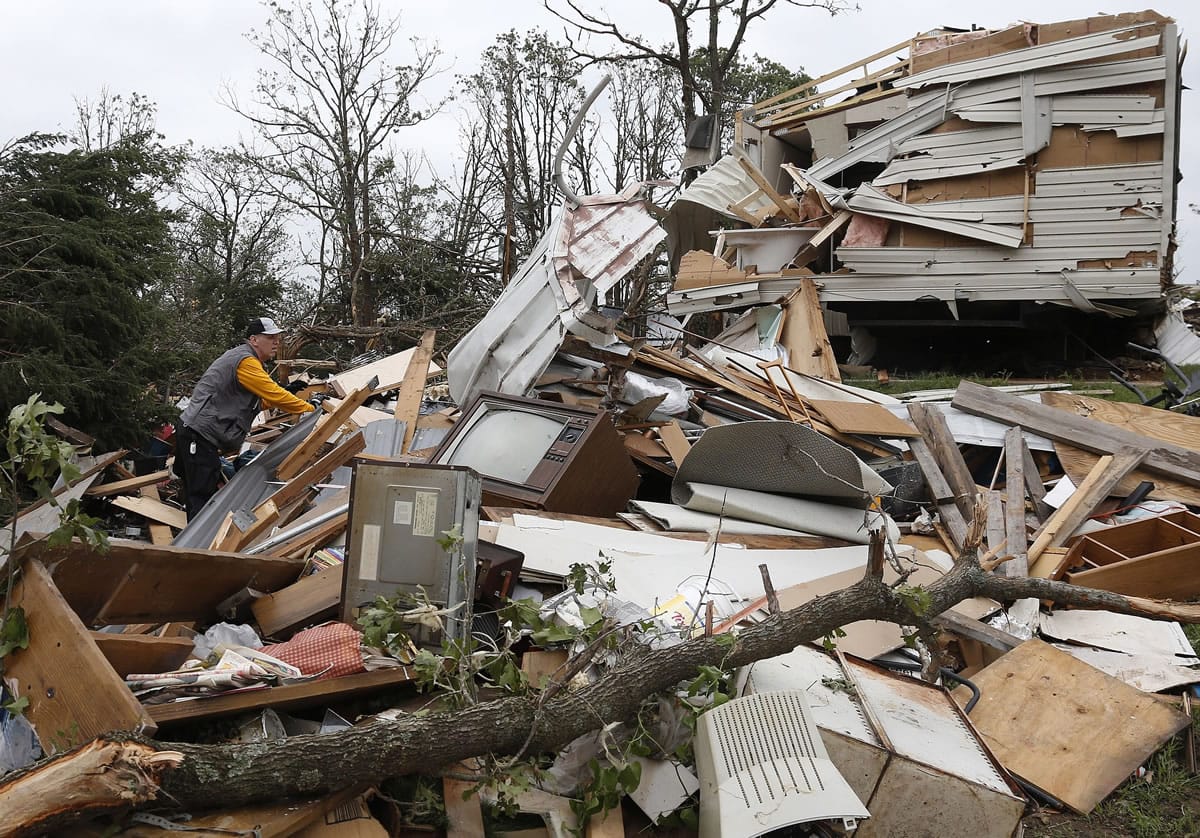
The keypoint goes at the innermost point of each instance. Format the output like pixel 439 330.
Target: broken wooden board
pixel 130 484
pixel 153 510
pixel 464 818
pixel 1153 422
pixel 1162 458
pixel 804 334
pixel 136 582
pixel 863 418
pixel 1066 727
pixel 412 388
pixel 700 269
pixel 74 695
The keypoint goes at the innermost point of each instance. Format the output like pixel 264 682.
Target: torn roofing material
pixel 584 252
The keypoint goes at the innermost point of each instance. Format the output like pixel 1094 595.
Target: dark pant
pixel 198 465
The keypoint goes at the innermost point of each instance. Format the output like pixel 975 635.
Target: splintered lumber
pixel 1090 434
pixel 1066 727
pixel 295 462
pixel 135 582
pixel 676 443
pixel 408 401
pixel 942 494
pixel 1109 471
pixel 159 533
pixel 767 189
pixel 120 487
pixel 1156 423
pixel 74 694
pixel 100 777
pixel 804 334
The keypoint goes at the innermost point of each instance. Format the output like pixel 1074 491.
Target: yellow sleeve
pixel 253 377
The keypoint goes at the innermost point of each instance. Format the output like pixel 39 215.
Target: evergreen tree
pixel 83 239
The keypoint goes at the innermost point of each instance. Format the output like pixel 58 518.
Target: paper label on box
pixel 368 567
pixel 403 513
pixel 425 514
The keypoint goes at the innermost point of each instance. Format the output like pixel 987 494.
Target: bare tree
pixel 327 109
pixel 705 81
pixel 112 117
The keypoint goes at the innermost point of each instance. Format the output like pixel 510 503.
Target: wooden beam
pixel 120 487
pixel 976 630
pixel 804 334
pixel 408 401
pixel 302 602
pixel 295 462
pixel 932 424
pixel 153 510
pixel 1014 507
pixel 1090 434
pixel 939 489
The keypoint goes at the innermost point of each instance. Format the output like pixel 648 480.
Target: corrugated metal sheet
pixel 1176 340
pixel 583 253
pixel 1056 54
pixel 955 260
pixel 1156 125
pixel 878 144
pixel 975 151
pixel 1052 82
pixel 1070 110
pixel 871 201
pixel 1100 284
pixel 725 183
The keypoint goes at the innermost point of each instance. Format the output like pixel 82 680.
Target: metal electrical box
pixel 400 515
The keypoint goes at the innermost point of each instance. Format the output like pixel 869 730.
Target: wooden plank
pixel 1065 727
pixel 408 401
pixel 996 533
pixel 303 454
pixel 863 418
pixel 464 818
pixel 153 510
pixel 160 534
pixel 804 335
pixel 1100 483
pixel 606 824
pixel 120 487
pixel 943 495
pixel 976 630
pixel 313 537
pixel 1166 574
pixel 390 370
pixel 1153 422
pixel 1033 482
pixel 1092 435
pixel 142 653
pixel 311 693
pixel 541 666
pixel 166 583
pixel 936 432
pixel 1015 451
pixel 676 443
pixel 74 695
pixel 304 602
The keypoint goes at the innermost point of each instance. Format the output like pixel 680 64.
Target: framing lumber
pixel 1014 505
pixel 120 487
pixel 327 427
pixel 767 189
pixel 153 510
pixel 306 601
pixel 804 334
pixel 1091 435
pixel 408 401
pixel 933 427
pixel 939 489
pixel 160 534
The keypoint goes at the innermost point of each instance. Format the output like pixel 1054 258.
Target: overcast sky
pixel 180 54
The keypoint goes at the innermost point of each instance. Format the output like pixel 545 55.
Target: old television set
pixel 398 542
pixel 537 454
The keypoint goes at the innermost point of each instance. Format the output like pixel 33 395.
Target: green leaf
pixel 14 633
pixel 16 706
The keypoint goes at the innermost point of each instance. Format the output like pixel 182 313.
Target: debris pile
pixel 584 497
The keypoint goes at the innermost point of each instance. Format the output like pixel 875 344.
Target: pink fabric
pixel 329 650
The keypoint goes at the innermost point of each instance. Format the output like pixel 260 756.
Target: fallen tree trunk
pixel 212 776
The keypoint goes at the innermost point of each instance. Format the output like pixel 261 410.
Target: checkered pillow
pixel 332 646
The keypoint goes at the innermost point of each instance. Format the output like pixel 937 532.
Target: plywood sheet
pixel 864 418
pixel 1065 726
pixel 1152 422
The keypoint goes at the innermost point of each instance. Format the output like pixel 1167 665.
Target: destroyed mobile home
pixel 658 511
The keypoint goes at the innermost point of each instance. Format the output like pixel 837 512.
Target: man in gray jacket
pixel 228 396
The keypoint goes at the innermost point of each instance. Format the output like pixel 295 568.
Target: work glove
pixel 296 386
